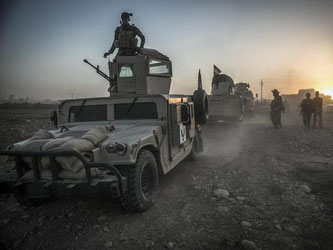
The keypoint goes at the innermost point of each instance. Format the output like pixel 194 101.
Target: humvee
pixel 224 103
pixel 152 132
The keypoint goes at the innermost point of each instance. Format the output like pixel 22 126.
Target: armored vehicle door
pixel 182 124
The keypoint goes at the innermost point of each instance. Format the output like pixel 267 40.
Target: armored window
pixel 87 113
pixel 136 111
pixel 126 71
pixel 160 68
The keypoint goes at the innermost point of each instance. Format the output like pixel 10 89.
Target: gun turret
pixel 101 73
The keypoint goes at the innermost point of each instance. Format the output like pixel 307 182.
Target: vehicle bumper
pixel 114 184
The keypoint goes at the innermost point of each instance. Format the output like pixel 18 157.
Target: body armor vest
pixel 126 39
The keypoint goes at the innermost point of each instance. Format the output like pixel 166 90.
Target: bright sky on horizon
pixel 288 44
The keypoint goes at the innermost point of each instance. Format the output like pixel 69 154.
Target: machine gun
pixel 111 80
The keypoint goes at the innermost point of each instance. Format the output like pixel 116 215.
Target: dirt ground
pixel 280 186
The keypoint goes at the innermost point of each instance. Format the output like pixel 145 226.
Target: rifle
pixel 105 76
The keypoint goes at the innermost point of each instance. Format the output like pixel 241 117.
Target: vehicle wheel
pixel 193 156
pixel 201 110
pixel 142 179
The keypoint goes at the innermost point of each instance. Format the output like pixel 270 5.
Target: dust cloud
pixel 227 139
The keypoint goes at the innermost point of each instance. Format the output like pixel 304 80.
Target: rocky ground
pixel 253 188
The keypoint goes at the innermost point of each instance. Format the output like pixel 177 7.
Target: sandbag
pixel 51 145
pixel 42 134
pixel 70 163
pixel 77 144
pixel 55 143
pixel 35 145
pixel 45 162
pixel 45 174
pixel 96 135
pixel 67 174
pixel 31 146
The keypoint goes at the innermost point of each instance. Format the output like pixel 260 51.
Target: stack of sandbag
pixel 72 168
pixel 34 143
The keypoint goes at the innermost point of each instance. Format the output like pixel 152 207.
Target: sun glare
pixel 328 90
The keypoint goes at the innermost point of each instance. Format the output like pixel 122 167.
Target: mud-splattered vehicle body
pixel 151 132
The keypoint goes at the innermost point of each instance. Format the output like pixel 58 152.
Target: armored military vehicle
pixel 224 103
pixel 149 133
pixel 243 89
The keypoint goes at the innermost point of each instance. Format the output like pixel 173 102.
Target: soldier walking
pixel 276 108
pixel 307 110
pixel 318 111
pixel 125 38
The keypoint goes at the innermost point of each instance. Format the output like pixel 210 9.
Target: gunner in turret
pixel 125 38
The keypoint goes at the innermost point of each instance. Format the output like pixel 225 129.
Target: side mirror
pixel 54 118
pixel 185 113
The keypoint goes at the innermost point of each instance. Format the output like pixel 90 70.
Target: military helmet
pixel 125 15
pixel 275 91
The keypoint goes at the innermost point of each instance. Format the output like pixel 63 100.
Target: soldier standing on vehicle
pixel 307 110
pixel 276 108
pixel 318 110
pixel 125 38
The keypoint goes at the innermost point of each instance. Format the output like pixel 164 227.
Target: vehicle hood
pixel 122 132
pixel 127 133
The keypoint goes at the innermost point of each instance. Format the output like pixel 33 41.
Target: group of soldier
pixel 313 107
pixel 309 107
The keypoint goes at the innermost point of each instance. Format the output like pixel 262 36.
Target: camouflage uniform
pixel 307 110
pixel 318 111
pixel 276 108
pixel 125 35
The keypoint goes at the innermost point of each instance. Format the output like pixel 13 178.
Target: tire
pixel 201 110
pixel 142 183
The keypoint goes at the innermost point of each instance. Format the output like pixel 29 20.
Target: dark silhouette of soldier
pixel 276 108
pixel 125 38
pixel 307 110
pixel 318 110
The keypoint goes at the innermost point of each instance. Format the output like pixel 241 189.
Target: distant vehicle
pixel 152 132
pixel 224 103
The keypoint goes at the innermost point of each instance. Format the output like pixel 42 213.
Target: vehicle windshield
pixel 126 71
pixel 122 111
pixel 157 67
pixel 135 111
pixel 86 113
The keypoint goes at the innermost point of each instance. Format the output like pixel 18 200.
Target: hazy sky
pixel 288 44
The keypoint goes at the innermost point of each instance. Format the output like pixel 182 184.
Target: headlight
pixel 116 148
